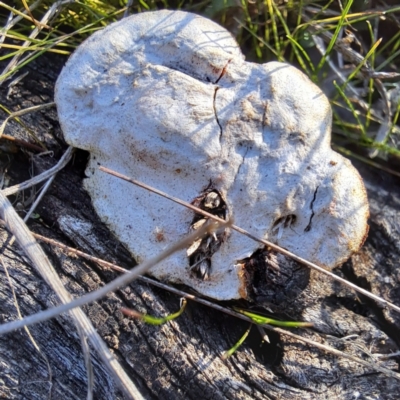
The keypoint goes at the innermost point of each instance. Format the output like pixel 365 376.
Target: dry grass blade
pixel 39 197
pixel 35 203
pixel 52 12
pixel 37 23
pixel 361 65
pixel 115 284
pixel 271 245
pixel 343 78
pixel 13 20
pixel 218 307
pixel 25 239
pixel 385 127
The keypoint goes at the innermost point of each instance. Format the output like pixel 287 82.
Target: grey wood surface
pixel 182 359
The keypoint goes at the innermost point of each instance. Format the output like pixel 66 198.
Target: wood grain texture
pixel 182 359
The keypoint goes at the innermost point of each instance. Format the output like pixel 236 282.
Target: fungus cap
pixel 166 98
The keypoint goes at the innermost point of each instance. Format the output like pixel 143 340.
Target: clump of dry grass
pixel 350 49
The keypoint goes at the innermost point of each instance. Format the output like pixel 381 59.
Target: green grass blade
pixel 261 320
pixel 149 319
pixel 335 35
pixel 232 350
pixel 351 107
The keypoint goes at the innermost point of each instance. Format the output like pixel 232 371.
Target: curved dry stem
pixel 64 160
pixel 225 310
pixel 41 262
pixel 273 246
pixel 110 287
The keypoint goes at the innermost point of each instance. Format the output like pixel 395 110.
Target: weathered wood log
pixel 182 359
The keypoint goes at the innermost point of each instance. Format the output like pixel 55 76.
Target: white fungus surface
pixel 166 98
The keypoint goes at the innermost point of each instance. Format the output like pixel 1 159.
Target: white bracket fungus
pixel 166 98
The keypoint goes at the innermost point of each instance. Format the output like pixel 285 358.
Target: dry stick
pixel 42 177
pixel 248 234
pixel 207 303
pixel 85 348
pixel 123 280
pixel 22 143
pixel 41 262
pixel 82 337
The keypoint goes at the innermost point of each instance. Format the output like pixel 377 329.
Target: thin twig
pixel 123 280
pixel 271 245
pixel 35 203
pixel 22 143
pixel 85 328
pixel 215 306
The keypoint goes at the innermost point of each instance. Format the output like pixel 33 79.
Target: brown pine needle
pixel 22 143
pixel 35 21
pixel 217 307
pixel 263 241
pixel 117 283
